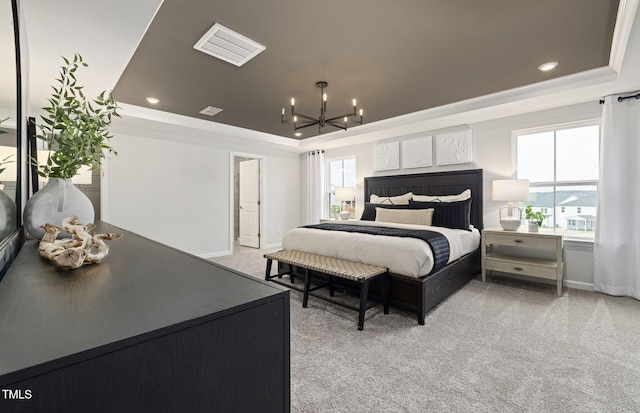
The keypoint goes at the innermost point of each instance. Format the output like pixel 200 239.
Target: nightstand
pixel 516 259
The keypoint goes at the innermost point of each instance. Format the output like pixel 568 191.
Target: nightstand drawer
pixel 518 240
pixel 515 267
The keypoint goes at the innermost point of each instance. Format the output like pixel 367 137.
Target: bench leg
pixel 331 293
pixel 267 275
pixel 307 284
pixel 385 292
pixel 364 292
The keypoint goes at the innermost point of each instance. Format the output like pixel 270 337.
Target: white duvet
pixel 404 256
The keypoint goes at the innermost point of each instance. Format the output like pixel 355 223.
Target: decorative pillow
pixel 369 213
pixel 405 216
pixel 455 215
pixel 466 194
pixel 391 200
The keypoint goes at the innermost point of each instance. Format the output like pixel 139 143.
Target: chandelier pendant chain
pixel 301 121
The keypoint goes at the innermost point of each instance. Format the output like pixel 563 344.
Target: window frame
pixel 555 184
pixel 328 190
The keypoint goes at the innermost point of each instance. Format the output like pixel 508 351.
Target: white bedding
pixel 404 256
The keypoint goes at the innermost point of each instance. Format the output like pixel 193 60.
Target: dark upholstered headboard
pixel 436 183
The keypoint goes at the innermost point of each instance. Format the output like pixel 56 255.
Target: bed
pixel 414 283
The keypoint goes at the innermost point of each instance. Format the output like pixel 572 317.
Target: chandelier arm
pixel 336 125
pixel 304 122
pixel 300 115
pixel 307 125
pixel 348 115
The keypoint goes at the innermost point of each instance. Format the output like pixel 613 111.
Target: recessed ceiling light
pixel 152 100
pixel 545 67
pixel 298 134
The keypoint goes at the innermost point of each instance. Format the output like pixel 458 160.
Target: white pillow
pixel 391 200
pixel 405 216
pixel 462 196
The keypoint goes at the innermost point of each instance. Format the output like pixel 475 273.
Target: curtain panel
pixel 617 237
pixel 315 186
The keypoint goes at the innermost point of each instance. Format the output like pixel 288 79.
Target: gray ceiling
pixel 395 57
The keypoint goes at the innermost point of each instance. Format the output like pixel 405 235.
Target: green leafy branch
pixel 536 217
pixel 74 130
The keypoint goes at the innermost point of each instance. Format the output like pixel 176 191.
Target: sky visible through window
pixel 562 167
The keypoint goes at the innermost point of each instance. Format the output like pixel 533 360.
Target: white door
pixel 250 203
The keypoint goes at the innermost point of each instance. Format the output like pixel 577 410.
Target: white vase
pixel 58 200
pixel 533 227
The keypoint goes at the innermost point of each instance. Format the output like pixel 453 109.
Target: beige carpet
pixel 503 346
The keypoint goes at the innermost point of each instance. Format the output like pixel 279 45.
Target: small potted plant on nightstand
pixel 335 211
pixel 535 218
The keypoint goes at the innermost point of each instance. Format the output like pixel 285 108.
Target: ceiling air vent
pixel 225 44
pixel 210 110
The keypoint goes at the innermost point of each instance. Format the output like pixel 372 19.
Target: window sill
pixel 571 238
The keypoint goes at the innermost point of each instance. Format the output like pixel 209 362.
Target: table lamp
pixel 343 195
pixel 510 190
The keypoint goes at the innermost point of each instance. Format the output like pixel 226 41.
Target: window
pixel 561 164
pixel 341 172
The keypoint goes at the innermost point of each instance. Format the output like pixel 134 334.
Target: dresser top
pixel 51 318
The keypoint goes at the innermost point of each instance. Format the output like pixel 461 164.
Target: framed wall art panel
pixel 454 147
pixel 417 152
pixel 387 156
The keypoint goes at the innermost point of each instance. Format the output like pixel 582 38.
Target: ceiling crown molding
pixel 127 110
pixel 627 10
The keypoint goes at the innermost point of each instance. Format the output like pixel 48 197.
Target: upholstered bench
pixel 333 267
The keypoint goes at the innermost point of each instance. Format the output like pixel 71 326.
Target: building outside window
pixel 561 163
pixel 341 172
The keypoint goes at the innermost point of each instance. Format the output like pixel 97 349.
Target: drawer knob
pixel 518 241
pixel 518 268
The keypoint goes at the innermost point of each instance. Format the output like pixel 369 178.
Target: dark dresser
pixel 150 329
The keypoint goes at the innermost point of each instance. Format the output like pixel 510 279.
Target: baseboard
pixel 270 246
pixel 215 254
pixel 578 285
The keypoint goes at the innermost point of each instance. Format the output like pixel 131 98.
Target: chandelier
pixel 301 121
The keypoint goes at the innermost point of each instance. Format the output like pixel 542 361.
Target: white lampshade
pixel 510 190
pixel 345 194
pixel 83 177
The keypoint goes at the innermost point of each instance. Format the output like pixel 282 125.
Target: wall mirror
pixel 10 128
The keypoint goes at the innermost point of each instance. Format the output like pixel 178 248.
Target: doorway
pixel 246 201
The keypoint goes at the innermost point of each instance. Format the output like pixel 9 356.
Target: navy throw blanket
pixel 437 242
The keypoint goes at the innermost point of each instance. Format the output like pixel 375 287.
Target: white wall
pixel 172 184
pixel 492 152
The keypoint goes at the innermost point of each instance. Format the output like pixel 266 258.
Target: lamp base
pixel 510 224
pixel 510 217
pixel 344 215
